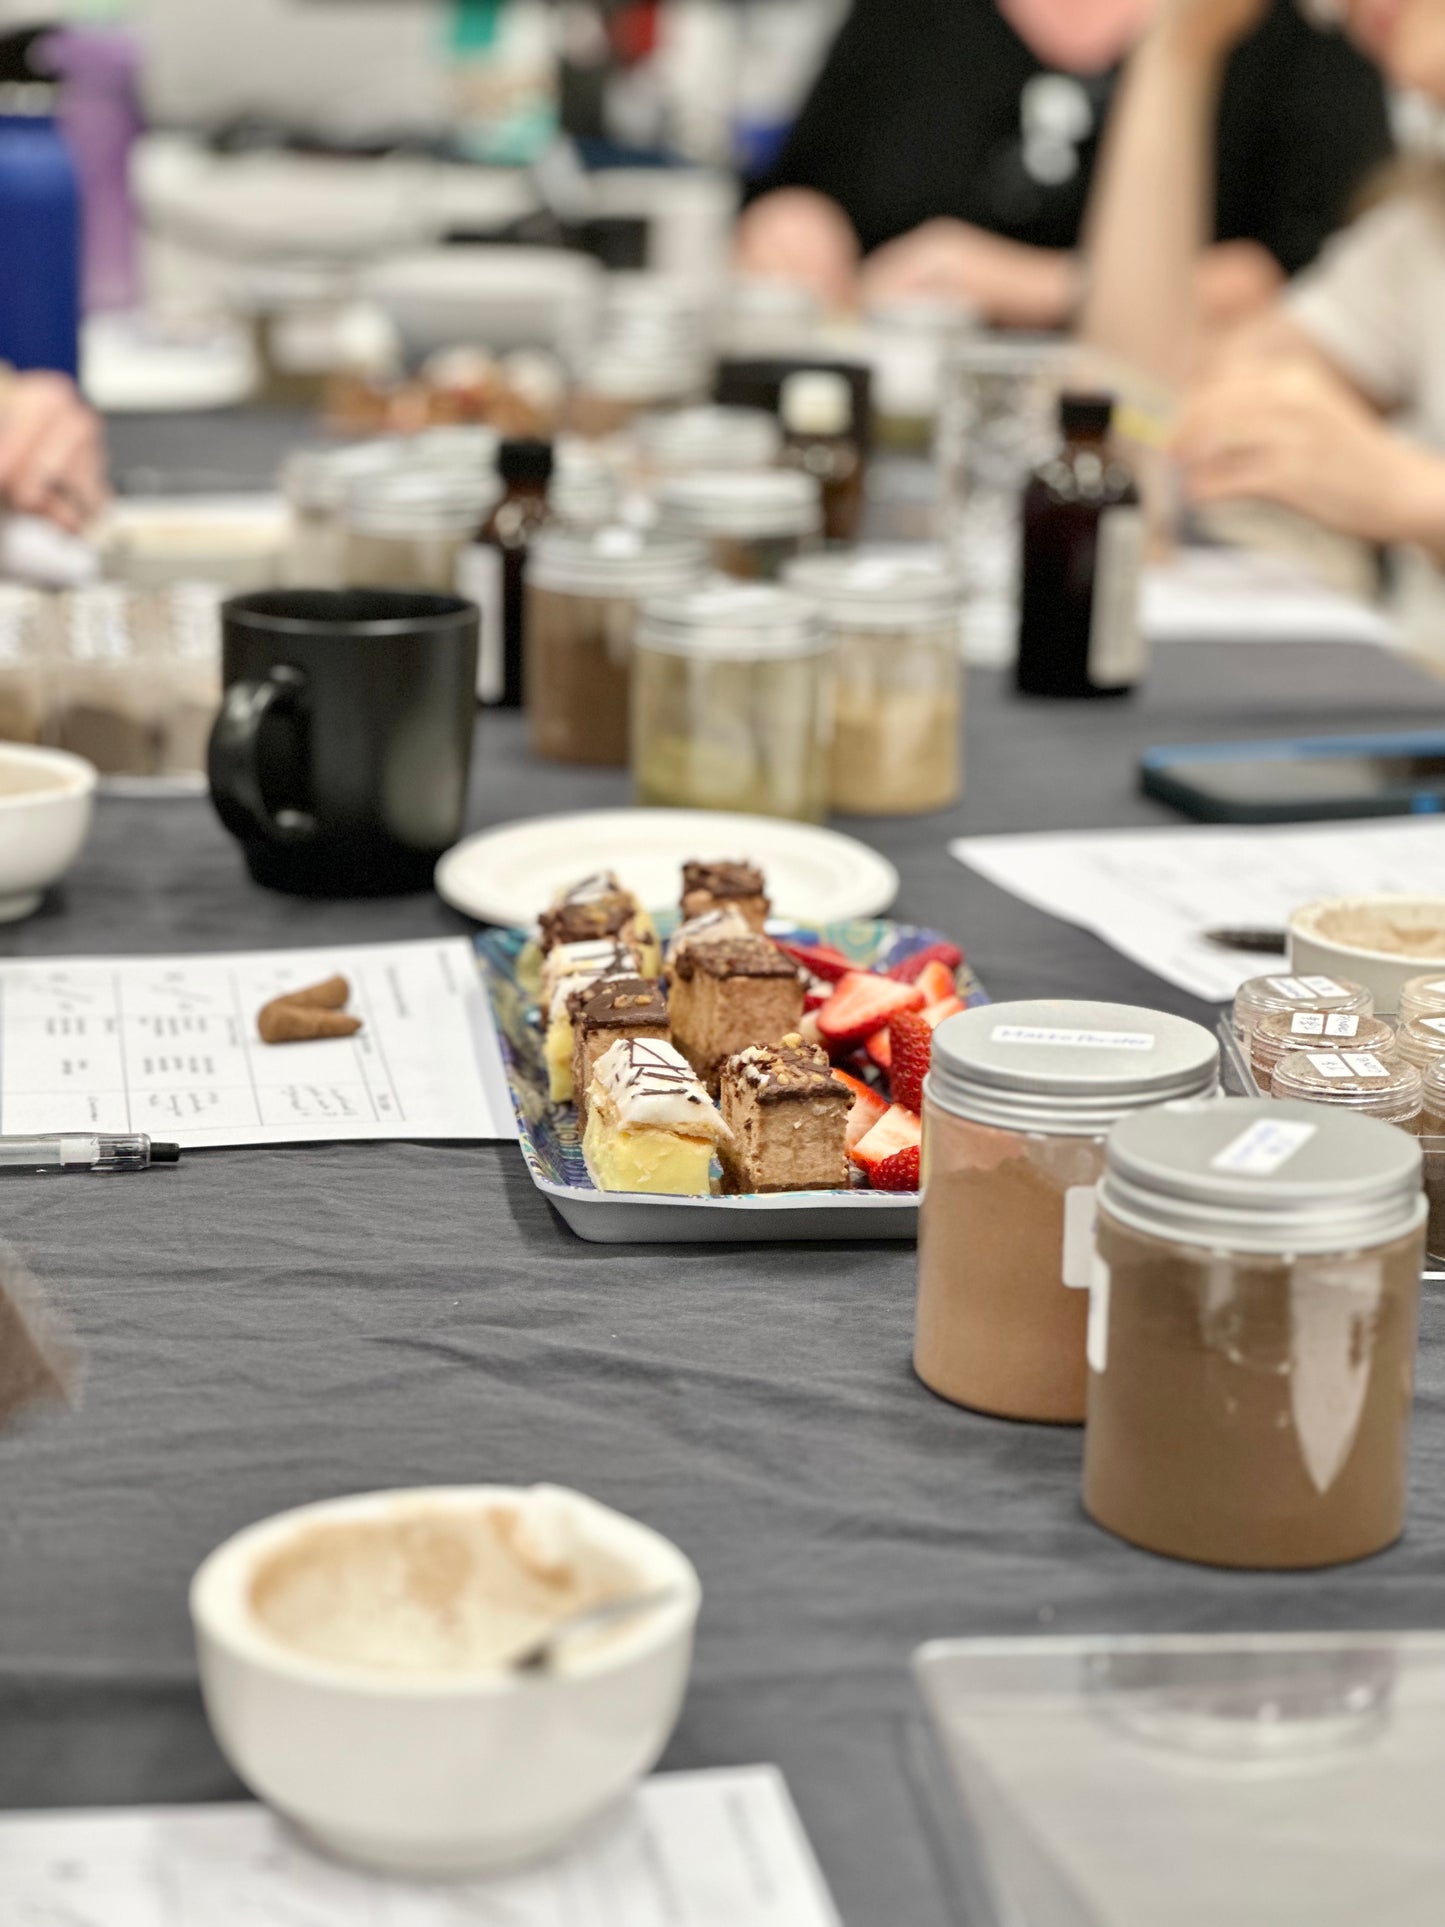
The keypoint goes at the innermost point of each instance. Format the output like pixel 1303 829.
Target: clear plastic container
pixel 316 483
pixel 1432 1143
pixel 709 438
pixel 755 524
pixel 1387 1088
pixel 585 492
pixel 1422 997
pixel 1262 996
pixel 186 649
pixel 108 690
pixel 1016 1109
pixel 1274 1037
pixel 22 665
pixel 897 677
pixel 731 703
pixel 1421 1040
pixel 1252 1333
pixel 407 529
pixel 583 593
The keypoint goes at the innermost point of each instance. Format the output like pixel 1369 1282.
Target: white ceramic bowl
pixel 1341 937
pixel 47 797
pixel 434 1774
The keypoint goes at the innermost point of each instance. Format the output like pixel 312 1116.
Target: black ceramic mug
pixel 340 757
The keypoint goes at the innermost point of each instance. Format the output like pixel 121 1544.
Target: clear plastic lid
pixel 756 503
pixel 879 588
pixel 1261 995
pixel 1067 1068
pixel 1423 997
pixel 416 504
pixel 709 438
pixel 1281 1032
pixel 1375 1085
pixel 614 561
pixel 1421 1041
pixel 739 622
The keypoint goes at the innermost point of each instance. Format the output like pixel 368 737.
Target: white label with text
pixel 1263 1149
pixel 1075 1039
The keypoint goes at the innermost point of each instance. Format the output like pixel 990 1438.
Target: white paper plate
pixel 508 875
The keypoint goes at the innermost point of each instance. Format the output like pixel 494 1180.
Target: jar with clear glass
pixel 316 483
pixel 584 492
pixel 1282 1032
pixel 583 593
pixel 185 648
pixel 755 523
pixel 897 677
pixel 407 529
pixel 1018 1102
pixel 1262 996
pixel 732 703
pixel 22 665
pixel 627 379
pixel 710 438
pixel 1252 1333
pixel 1385 1087
pixel 108 695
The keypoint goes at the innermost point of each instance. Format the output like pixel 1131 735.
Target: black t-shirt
pixel 936 107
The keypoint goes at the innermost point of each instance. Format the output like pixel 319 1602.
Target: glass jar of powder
pixel 407 529
pixel 1252 1333
pixel 1016 1109
pixel 731 703
pixel 1262 996
pixel 1386 1088
pixel 583 592
pixel 754 523
pixel 1281 1032
pixel 897 677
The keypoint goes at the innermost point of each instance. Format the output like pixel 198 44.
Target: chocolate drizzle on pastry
pixel 788 1072
pixel 733 957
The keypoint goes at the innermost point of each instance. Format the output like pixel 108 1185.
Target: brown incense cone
pixel 285 1022
pixel 39 1362
pixel 332 995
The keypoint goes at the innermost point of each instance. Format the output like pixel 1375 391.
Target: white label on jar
pixel 1116 636
pixel 1334 1314
pixel 1318 1023
pixel 1323 987
pixel 1364 1063
pixel 1438 987
pixel 1080 1212
pixel 1098 1339
pixel 1079 1039
pixel 1264 1148
pixel 479 579
pixel 1329 1063
pixel 1294 990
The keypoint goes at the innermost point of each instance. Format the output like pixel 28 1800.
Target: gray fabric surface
pixel 267 1327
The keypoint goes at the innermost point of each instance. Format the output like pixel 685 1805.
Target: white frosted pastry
pixel 705 929
pixel 605 958
pixel 596 954
pixel 651 1127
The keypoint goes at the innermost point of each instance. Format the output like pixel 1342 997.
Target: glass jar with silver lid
pixel 754 523
pixel 1017 1105
pixel 731 703
pixel 406 529
pixel 316 483
pixel 715 438
pixel 1252 1333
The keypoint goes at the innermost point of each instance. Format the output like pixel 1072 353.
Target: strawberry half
pixel 936 982
pixel 861 1005
pixel 912 968
pixel 934 1014
pixel 868 1106
pixel 897 1130
pixel 819 960
pixel 880 1050
pixel 902 1172
pixel 910 1038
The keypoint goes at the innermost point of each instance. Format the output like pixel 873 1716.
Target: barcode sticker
pixel 1263 1148
pixel 1075 1039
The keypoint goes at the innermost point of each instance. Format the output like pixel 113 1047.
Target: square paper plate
pixel 552 1145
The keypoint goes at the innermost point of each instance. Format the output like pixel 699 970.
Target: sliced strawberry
pixel 819 960
pixel 868 1106
pixel 935 980
pixel 901 1172
pixel 880 1050
pixel 861 1005
pixel 910 1039
pixel 934 1014
pixel 912 968
pixel 897 1130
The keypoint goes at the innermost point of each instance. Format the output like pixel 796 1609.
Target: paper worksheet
pixel 1152 893
pixel 720 1849
pixel 168 1045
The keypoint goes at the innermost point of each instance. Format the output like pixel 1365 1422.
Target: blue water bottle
pixel 39 234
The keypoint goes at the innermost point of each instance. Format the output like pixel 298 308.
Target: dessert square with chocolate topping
pixel 728 994
pixel 620 1007
pixel 788 1119
pixel 606 916
pixel 720 886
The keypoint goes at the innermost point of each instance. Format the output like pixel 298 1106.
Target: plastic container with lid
pixel 1016 1108
pixel 316 483
pixel 583 591
pixel 898 676
pixel 1252 1333
pixel 1432 1143
pixel 705 438
pixel 731 703
pixel 1263 995
pixel 407 529
pixel 755 523
pixel 1275 1036
pixel 1421 1040
pixel 22 665
pixel 1422 997
pixel 1354 1080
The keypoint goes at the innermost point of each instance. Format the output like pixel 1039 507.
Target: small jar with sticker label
pixel 1252 1333
pixel 1353 1080
pixel 1263 996
pixel 1422 997
pixel 1018 1102
pixel 1281 1032
pixel 1421 1040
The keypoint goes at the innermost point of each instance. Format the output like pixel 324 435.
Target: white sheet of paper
pixel 1151 893
pixel 1239 595
pixel 168 1045
pixel 717 1849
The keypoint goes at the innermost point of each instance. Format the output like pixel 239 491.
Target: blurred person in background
pixel 52 450
pixel 1332 403
pixel 948 148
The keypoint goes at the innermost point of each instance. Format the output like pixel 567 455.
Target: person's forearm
pixel 1152 212
pixel 1416 505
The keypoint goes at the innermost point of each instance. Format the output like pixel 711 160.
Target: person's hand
pixel 799 236
pixel 1292 433
pixel 1002 281
pixel 52 451
pixel 1208 30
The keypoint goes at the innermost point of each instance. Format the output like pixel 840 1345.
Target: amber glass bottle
pixel 493 570
pixel 1083 547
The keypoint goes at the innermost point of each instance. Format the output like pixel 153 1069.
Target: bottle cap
pixel 525 461
pixel 1086 414
pixel 816 401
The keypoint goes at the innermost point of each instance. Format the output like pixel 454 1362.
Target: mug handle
pixel 231 761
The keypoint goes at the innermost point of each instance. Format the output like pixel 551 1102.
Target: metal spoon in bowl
pixel 540 1654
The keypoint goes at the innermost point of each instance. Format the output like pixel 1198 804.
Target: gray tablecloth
pixel 266 1327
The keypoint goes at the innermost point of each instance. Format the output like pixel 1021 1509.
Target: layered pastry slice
pixel 703 929
pixel 651 1127
pixel 729 993
pixel 725 886
pixel 599 907
pixel 619 1007
pixel 567 970
pixel 788 1119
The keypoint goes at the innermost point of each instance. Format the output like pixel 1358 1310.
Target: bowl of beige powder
pixel 1378 941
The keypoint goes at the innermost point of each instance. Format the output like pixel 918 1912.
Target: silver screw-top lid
pixel 733 622
pixel 1264 1175
pixel 751 503
pixel 711 437
pixel 614 561
pixel 1067 1068
pixel 879 588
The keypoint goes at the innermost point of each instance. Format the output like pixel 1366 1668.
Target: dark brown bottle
pixel 816 407
pixel 1083 548
pixel 493 572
